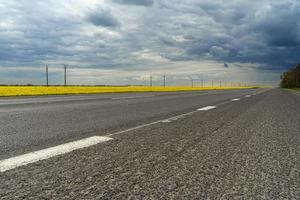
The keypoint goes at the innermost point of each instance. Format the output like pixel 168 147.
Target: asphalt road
pixel 246 147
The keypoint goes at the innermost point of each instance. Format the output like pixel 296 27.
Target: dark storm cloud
pixel 111 35
pixel 239 31
pixel 136 2
pixel 102 17
pixel 280 25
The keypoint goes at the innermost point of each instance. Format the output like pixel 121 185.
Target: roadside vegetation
pixel 55 90
pixel 291 78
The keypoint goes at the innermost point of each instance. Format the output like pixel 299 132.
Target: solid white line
pixel 134 97
pixel 206 108
pixel 248 96
pixel 19 102
pixel 63 99
pixel 28 158
pixel 235 99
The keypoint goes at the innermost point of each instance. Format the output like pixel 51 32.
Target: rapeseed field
pixel 60 90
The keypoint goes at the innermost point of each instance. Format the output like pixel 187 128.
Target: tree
pixel 291 78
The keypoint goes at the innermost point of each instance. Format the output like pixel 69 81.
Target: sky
pixel 127 41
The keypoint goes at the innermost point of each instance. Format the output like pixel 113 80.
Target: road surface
pixel 238 144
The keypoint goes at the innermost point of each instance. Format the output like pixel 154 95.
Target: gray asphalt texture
pixel 247 149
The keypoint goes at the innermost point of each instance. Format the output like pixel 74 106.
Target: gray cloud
pixel 263 33
pixel 280 25
pixel 136 2
pixel 103 17
pixel 258 32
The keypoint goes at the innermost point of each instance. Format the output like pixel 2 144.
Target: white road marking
pixel 63 99
pixel 36 156
pixel 19 102
pixel 166 121
pixel 32 157
pixel 187 114
pixel 134 97
pixel 206 108
pixel 134 128
pixel 177 117
pixel 248 96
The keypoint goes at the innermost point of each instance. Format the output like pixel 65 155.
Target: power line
pixel 65 75
pixel 47 77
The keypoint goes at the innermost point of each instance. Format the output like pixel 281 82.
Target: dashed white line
pixel 36 156
pixel 248 96
pixel 206 108
pixel 178 117
pixel 134 128
pixel 166 121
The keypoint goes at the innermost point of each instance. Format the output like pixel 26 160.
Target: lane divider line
pixel 169 120
pixel 166 121
pixel 44 154
pixel 177 117
pixel 132 129
pixel 248 96
pixel 207 108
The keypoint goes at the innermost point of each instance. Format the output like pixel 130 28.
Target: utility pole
pixel 212 83
pixel 65 75
pixel 164 80
pixel 192 83
pixel 151 81
pixel 202 82
pixel 47 77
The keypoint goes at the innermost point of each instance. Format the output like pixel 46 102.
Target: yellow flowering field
pixel 54 90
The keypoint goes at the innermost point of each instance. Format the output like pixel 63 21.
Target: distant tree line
pixel 291 78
